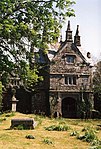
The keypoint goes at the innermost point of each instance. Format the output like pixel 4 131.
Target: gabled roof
pixel 84 53
pixel 77 49
pixel 75 46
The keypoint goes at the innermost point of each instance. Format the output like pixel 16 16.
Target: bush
pixel 95 147
pixel 29 137
pixel 10 114
pixel 38 119
pixel 57 128
pixel 2 119
pixel 89 135
pixel 74 133
pixel 96 142
pixel 21 127
pixel 0 96
pixel 47 141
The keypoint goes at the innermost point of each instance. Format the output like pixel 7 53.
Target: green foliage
pixel 89 135
pixel 32 77
pixel 2 119
pixel 96 143
pixel 21 127
pixel 10 114
pixel 0 96
pixel 29 137
pixel 25 25
pixel 95 147
pixel 47 141
pixel 38 119
pixel 57 128
pixel 74 133
pixel 97 80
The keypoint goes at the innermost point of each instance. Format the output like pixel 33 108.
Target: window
pixel 70 58
pixel 70 80
pixel 84 80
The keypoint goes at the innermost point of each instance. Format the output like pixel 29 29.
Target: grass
pixel 64 138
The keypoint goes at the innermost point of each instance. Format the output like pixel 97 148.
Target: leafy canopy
pixel 26 23
pixel 97 80
pixel 0 95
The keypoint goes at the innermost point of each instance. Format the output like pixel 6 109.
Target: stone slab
pixel 27 123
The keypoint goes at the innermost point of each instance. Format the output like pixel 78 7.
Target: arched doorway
pixel 69 108
pixel 24 101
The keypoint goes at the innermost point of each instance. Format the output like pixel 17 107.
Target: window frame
pixel 70 80
pixel 70 59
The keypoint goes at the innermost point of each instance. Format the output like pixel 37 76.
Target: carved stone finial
pixel 68 33
pixel 77 31
pixel 68 26
pixel 77 41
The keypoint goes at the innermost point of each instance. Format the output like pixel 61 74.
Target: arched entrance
pixel 69 108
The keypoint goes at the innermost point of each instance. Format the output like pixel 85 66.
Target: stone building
pixel 67 87
pixel 70 91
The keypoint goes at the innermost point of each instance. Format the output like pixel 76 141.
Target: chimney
pixel 88 54
pixel 77 41
pixel 69 33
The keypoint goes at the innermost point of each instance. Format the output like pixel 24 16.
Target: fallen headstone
pixel 22 123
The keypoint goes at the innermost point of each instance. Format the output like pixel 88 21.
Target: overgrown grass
pixel 21 127
pixel 10 114
pixel 39 119
pixel 50 133
pixel 2 119
pixel 57 128
pixel 88 136
pixel 47 141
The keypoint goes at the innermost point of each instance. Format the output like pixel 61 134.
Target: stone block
pixel 27 123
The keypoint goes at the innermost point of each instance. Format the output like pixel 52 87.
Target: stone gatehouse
pixel 67 87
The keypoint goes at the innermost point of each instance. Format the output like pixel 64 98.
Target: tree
pixel 0 96
pixel 97 89
pixel 97 80
pixel 25 24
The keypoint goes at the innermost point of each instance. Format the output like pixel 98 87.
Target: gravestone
pixel 27 123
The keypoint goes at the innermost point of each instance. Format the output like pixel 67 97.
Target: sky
pixel 88 17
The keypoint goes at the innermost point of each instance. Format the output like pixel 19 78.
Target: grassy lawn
pixel 71 138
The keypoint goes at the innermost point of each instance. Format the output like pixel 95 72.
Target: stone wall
pixel 59 69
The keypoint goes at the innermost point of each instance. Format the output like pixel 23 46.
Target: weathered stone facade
pixel 70 79
pixel 67 87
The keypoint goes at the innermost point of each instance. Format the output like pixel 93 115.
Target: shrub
pixel 74 133
pixel 10 115
pixel 57 128
pixel 96 142
pixel 95 147
pixel 0 96
pixel 29 137
pixel 38 119
pixel 89 136
pixel 21 127
pixel 2 119
pixel 47 141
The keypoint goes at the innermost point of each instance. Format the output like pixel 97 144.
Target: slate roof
pixel 83 54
